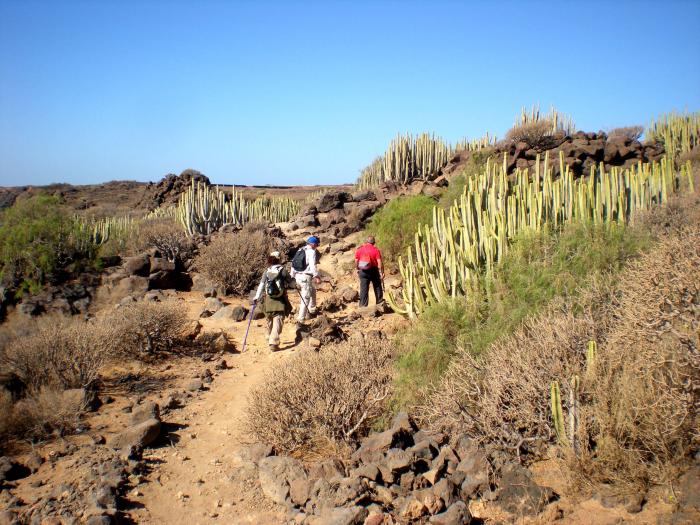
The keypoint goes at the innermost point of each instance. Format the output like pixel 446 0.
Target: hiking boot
pixel 274 348
pixel 298 338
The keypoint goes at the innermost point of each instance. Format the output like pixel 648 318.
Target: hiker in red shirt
pixel 368 261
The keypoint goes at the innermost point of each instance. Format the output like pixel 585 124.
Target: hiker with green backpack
pixel 274 284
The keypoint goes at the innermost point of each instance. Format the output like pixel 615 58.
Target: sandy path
pixel 198 480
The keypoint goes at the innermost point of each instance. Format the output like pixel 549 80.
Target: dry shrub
pixel 314 399
pixel 48 411
pixel 680 214
pixel 235 261
pixel 627 132
pixel 145 329
pixel 502 399
pixel 168 237
pixel 536 135
pixel 59 353
pixel 645 410
pixel 6 421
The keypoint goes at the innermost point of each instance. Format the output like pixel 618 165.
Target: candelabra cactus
pixel 203 209
pixel 409 158
pixel 471 237
pixel 679 132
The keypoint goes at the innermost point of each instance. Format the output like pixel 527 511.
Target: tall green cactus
pixel 467 240
pixel 557 413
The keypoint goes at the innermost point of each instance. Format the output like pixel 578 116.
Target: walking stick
pixel 245 338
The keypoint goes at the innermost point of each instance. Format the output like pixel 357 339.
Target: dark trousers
pixel 370 275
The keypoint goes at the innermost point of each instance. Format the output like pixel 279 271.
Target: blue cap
pixel 313 240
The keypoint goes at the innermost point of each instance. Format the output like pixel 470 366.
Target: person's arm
pixel 311 263
pixel 380 265
pixel 261 287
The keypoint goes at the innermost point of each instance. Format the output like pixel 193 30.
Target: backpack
pixel 274 285
pixel 299 260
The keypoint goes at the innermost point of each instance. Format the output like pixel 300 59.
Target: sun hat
pixel 313 240
pixel 275 254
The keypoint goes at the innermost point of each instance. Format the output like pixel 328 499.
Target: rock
pixel 140 435
pixel 138 265
pixel 348 490
pixel 192 329
pixel 299 491
pixel 432 502
pixel 213 304
pixel 195 385
pixel 155 296
pixel 239 313
pixel 276 473
pixel 369 471
pixel 412 509
pixel 99 520
pixel 399 435
pixel 444 489
pixel 474 470
pixel 148 410
pixel 254 452
pixel 159 264
pixel 456 514
pixel 133 285
pixel 332 200
pixel 354 515
pixel 398 460
pixel 314 343
pixel 349 295
pixel 11 470
pixel 224 313
pixel 163 280
pixel 328 469
pixel 519 494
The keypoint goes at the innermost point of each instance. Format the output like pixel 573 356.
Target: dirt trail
pixel 197 479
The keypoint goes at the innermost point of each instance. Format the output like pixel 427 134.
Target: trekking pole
pixel 245 338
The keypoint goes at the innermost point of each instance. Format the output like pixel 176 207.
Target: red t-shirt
pixel 367 256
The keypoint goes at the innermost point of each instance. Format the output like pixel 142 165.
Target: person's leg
pixel 377 282
pixel 276 330
pixel 303 283
pixel 312 296
pixel 364 288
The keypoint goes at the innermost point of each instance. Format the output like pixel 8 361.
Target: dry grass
pixel 324 399
pixel 146 329
pixel 645 410
pixel 535 134
pixel 234 261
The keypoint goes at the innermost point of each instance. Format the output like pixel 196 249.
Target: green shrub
pixel 538 268
pixel 454 191
pixel 38 238
pixel 395 224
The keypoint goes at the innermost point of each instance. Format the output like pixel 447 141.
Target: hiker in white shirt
pixel 305 271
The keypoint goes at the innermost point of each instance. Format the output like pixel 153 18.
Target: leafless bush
pixel 680 214
pixel 536 135
pixel 144 329
pixel 59 353
pixel 47 411
pixel 6 412
pixel 314 399
pixel 502 400
pixel 168 238
pixel 644 414
pixel 629 132
pixel 235 261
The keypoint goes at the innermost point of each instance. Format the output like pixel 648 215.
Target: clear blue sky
pixel 311 92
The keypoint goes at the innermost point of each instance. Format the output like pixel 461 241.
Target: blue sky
pixel 311 92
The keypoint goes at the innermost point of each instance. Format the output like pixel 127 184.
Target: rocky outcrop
pixel 402 475
pixel 580 150
pixel 169 188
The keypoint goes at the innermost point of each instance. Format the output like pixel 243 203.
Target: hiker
pixel 274 284
pixel 305 271
pixel 368 261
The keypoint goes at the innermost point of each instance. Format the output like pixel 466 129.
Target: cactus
pixel 203 209
pixel 471 237
pixel 557 413
pixel 409 158
pixel 679 132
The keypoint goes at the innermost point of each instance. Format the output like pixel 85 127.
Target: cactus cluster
pixel 203 209
pixel 409 158
pixel 468 239
pixel 679 132
pixel 100 231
